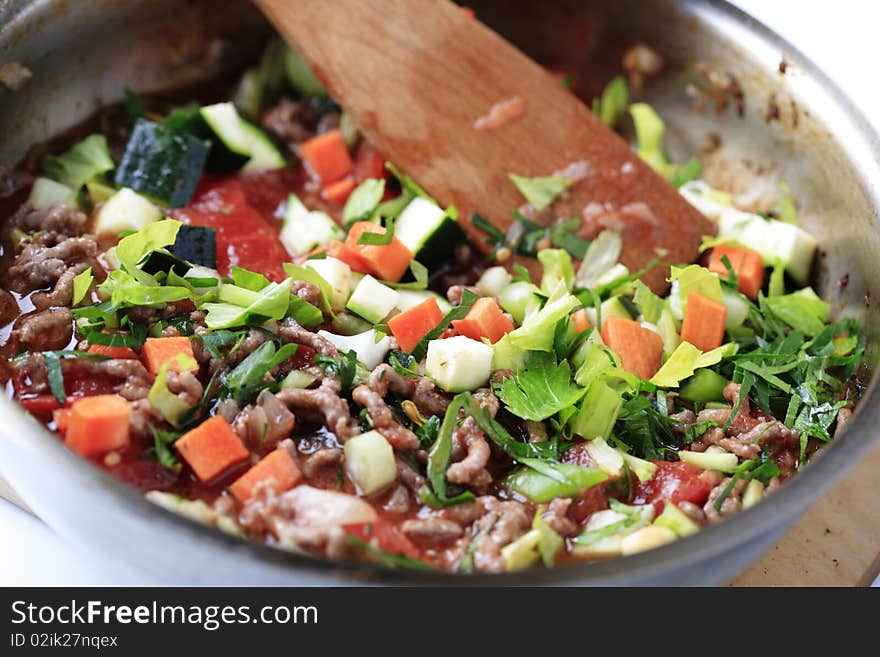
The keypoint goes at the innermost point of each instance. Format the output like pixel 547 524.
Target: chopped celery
pixel 83 162
pixel 704 386
pixel 170 406
pixel 519 299
pixel 710 460
pixel 46 192
pixel 694 278
pixel 598 411
pixel 753 494
pixel 803 310
pixel 557 270
pixel 644 470
pixel 493 281
pixel 602 254
pixel 552 480
pixel 679 366
pixel 537 330
pixel 607 459
pixel 522 553
pixel 675 519
pixel 298 379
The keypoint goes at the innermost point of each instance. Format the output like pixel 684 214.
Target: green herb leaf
pixel 540 192
pixel 81 284
pixel 84 161
pixel 540 390
pixel 439 456
pixel 247 379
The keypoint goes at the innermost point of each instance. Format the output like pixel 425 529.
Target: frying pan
pixel 762 122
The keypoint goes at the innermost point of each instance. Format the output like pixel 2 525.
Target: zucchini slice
pixel 428 231
pixel 240 142
pixel 162 164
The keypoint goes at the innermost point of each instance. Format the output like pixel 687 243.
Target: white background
pixel 836 35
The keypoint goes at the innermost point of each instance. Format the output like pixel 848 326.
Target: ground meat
pixel 731 505
pixel 149 315
pixel 744 420
pixel 143 417
pixel 265 422
pixel 321 466
pixel 429 400
pixel 307 292
pixel 431 531
pixel 40 266
pixel 8 307
pixel 45 330
pixel 683 420
pixel 290 121
pixel 327 122
pixel 410 478
pixel 382 419
pixel 58 218
pixel 322 404
pixel 512 520
pixel 692 511
pixel 843 416
pixel 185 385
pixel 455 292
pixel 398 500
pixel 287 519
pixel 471 470
pixel 384 378
pixel 62 293
pixel 291 331
pixel 556 517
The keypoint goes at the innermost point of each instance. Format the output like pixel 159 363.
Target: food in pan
pixel 241 309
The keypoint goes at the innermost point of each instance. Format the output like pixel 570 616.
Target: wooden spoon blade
pixel 417 74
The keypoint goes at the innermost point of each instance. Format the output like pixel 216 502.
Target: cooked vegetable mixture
pixel 241 309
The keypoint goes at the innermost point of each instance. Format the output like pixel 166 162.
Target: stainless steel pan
pixel 83 54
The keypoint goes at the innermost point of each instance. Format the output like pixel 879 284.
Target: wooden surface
pixel 836 543
pixel 416 74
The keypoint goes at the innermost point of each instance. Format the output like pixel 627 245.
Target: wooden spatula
pixel 417 74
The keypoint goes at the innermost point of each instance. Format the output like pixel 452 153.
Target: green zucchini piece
pixel 162 164
pixel 196 245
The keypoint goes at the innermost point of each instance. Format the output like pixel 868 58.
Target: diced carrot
pixel 640 349
pixel 341 251
pixel 746 264
pixel 327 156
pixel 485 319
pixel 337 192
pixel 277 465
pixel 61 417
pixel 98 424
pixel 211 448
pixel 112 352
pixel 580 321
pixel 469 12
pixel 386 261
pixel 368 162
pixel 703 324
pixel 411 326
pixel 158 351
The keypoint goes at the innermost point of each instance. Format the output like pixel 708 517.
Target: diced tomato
pixel 40 405
pixel 389 538
pixel 76 387
pixel 260 253
pixel 302 358
pixel 368 162
pixel 673 481
pixel 592 500
pixel 244 237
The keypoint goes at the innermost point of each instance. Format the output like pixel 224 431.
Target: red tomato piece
pixel 388 537
pixel 40 405
pixel 592 500
pixel 673 481
pixel 244 237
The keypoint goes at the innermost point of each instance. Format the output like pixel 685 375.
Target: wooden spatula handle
pixel 416 74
